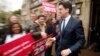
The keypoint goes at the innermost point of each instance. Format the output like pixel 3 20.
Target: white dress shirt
pixel 66 22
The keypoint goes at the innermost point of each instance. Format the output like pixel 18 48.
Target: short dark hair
pixel 66 5
pixel 40 16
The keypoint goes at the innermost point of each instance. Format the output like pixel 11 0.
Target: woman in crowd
pixel 12 19
pixel 50 29
pixel 14 32
pixel 51 26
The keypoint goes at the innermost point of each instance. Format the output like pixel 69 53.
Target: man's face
pixel 41 20
pixel 34 17
pixel 13 19
pixel 62 11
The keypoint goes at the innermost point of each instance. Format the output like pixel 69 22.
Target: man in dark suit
pixel 71 37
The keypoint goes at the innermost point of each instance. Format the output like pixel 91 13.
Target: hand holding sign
pixel 43 34
pixel 49 41
pixel 39 46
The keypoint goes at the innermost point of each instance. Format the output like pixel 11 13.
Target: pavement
pixel 84 52
pixel 89 52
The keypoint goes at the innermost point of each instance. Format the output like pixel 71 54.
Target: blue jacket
pixel 71 37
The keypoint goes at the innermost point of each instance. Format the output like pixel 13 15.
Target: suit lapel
pixel 69 24
pixel 60 25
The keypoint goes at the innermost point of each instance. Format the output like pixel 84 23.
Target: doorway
pixel 95 22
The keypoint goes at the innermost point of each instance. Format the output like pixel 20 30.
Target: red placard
pixel 39 46
pixel 19 47
pixel 48 8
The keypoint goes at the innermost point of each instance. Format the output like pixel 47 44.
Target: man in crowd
pixel 33 17
pixel 71 37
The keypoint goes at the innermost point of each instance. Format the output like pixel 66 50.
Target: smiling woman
pixel 15 31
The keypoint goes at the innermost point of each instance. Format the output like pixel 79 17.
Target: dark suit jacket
pixel 71 37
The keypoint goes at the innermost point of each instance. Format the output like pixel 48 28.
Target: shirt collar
pixel 67 18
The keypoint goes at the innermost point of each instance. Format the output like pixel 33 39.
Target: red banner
pixel 39 46
pixel 19 47
pixel 49 7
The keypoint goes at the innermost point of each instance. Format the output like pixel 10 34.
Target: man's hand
pixel 49 41
pixel 43 34
pixel 65 52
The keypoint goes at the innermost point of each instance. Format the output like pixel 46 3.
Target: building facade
pixel 82 9
pixel 84 14
pixel 36 6
pixel 25 13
